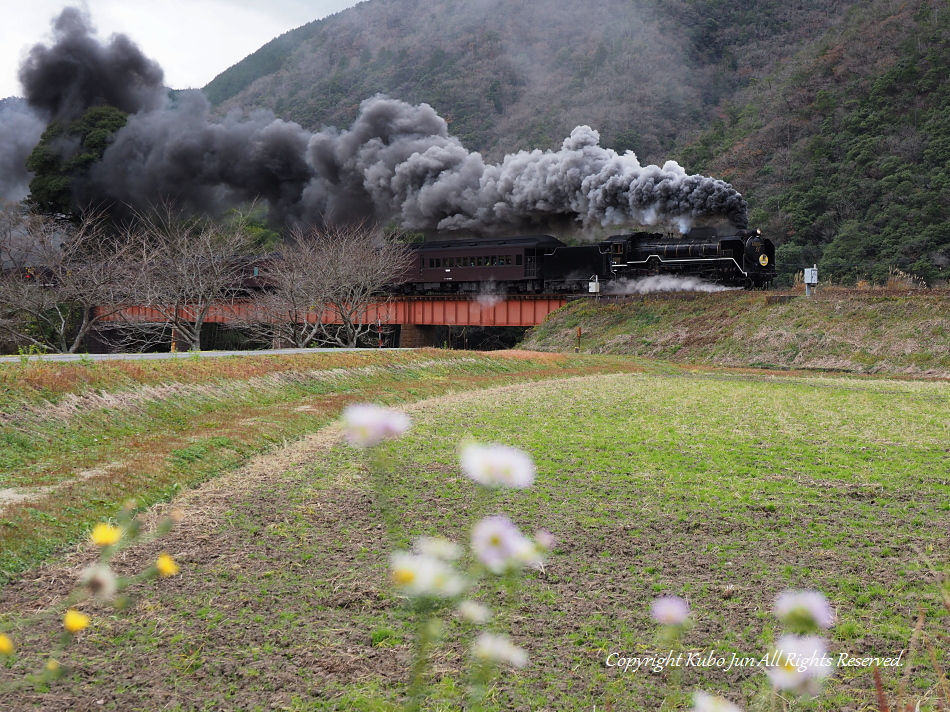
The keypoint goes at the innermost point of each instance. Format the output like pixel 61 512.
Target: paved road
pixel 179 354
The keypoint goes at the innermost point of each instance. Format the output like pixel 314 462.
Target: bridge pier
pixel 415 336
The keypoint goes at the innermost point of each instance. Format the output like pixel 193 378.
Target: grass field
pixel 77 440
pixel 722 487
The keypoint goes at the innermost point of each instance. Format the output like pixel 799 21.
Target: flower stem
pixel 419 664
pixel 380 477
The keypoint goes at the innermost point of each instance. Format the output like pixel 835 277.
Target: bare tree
pixel 328 285
pixel 358 265
pixel 59 282
pixel 289 303
pixel 190 267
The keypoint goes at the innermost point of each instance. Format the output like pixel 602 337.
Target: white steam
pixel 665 283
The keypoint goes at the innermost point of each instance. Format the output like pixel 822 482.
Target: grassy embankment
pixel 722 487
pixel 77 440
pixel 852 331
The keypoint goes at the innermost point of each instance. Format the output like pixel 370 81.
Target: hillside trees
pixel 512 76
pixel 846 158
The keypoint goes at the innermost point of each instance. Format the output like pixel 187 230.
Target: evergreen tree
pixel 65 154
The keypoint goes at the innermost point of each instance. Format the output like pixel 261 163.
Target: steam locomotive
pixel 542 264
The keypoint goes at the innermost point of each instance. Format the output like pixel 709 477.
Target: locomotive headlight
pixel 763 260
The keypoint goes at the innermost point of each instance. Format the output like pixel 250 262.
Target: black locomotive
pixel 542 264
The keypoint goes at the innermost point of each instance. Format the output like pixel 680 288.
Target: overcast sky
pixel 193 40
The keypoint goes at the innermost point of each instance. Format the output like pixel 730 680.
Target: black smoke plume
pixel 20 129
pixel 399 159
pixel 180 153
pixel 78 72
pixel 395 161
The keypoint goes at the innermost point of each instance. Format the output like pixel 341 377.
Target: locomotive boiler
pixel 542 264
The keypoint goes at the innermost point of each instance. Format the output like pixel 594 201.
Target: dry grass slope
pixel 870 332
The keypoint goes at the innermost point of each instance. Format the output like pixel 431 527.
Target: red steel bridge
pixel 416 316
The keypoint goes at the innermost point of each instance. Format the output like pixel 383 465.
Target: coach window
pixel 518 260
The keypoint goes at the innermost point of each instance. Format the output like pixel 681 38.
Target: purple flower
pixel 804 609
pixel 499 649
pixel 366 424
pixel 669 610
pixel 800 663
pixel 497 466
pixel 704 702
pixel 499 545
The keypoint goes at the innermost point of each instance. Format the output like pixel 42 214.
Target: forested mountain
pixel 844 152
pixel 510 75
pixel 830 116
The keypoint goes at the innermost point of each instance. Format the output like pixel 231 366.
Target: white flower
pixel 474 612
pixel 809 607
pixel 497 466
pixel 704 702
pixel 420 575
pixel 438 548
pixel 669 610
pixel 499 649
pixel 499 545
pixel 800 663
pixel 366 424
pixel 100 580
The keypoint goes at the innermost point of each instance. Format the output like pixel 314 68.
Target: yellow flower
pixel 74 621
pixel 404 577
pixel 6 645
pixel 166 565
pixel 106 534
pixel 52 665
